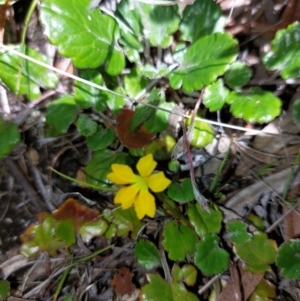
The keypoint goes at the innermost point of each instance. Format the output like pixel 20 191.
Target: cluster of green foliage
pixel 100 46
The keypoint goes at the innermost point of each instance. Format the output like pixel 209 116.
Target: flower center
pixel 142 183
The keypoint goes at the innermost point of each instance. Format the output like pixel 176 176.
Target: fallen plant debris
pixel 149 150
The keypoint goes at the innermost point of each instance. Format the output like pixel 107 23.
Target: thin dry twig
pixel 24 182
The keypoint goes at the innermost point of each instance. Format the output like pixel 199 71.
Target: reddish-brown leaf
pixel 78 213
pixel 137 139
pixel 123 282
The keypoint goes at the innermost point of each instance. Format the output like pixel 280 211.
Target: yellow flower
pixel 137 193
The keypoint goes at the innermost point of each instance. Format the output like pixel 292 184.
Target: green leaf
pixel 130 26
pixel 86 126
pixel 203 17
pixel 4 289
pixel 147 254
pixel 296 112
pixel 158 121
pixel 100 165
pixel 152 72
pixel 205 60
pixel 93 229
pixel 61 113
pixel 161 147
pixel 160 290
pixel 111 231
pixel 134 82
pixel 114 102
pixel 9 137
pixel 88 37
pixel 41 238
pixel 255 105
pixel 215 95
pixel 257 221
pixel 159 23
pixel 258 253
pixel 237 231
pixel 68 297
pixel 65 231
pixel 179 240
pixel 203 133
pixel 87 96
pixel 174 166
pixel 101 139
pixel 142 112
pixel 285 54
pixel 209 257
pixel 265 291
pixel 126 221
pixel 24 77
pixel 288 259
pixel 188 274
pixel 132 55
pixel 181 192
pixel 205 222
pixel 237 75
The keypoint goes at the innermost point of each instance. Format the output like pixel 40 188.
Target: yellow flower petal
pixel 158 182
pixel 146 165
pixel 145 204
pixel 122 174
pixel 127 196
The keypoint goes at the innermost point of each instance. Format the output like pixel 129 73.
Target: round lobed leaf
pixel 255 105
pixel 93 229
pixel 288 259
pixel 131 29
pixel 179 240
pixel 188 274
pixel 204 222
pixel 126 222
pixel 65 231
pixel 181 192
pixel 257 253
pixel 86 36
pixel 200 19
pixel 134 82
pixel 159 289
pixel 25 77
pixel 157 32
pixel 114 102
pixel 101 139
pixel 86 126
pixel 203 133
pixel 147 254
pixel 237 231
pixel 215 95
pixel 41 237
pixel 100 165
pixel 61 113
pixel 285 54
pixel 209 257
pixel 237 75
pixel 87 96
pixel 205 60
